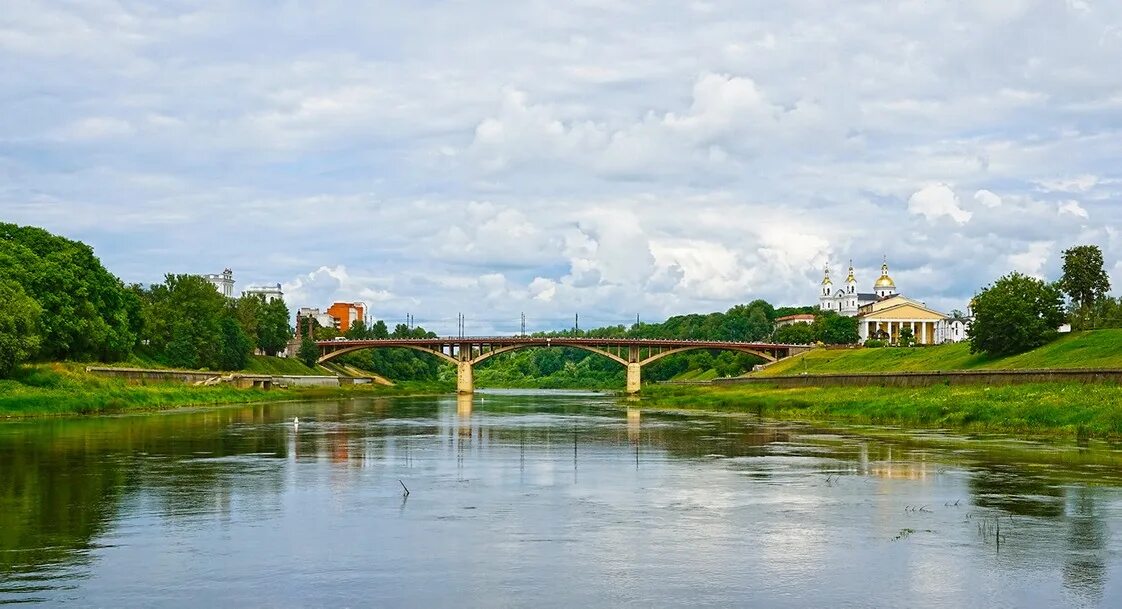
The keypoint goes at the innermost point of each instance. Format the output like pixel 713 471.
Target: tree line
pixel 60 303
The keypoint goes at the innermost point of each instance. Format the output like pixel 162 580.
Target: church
pixel 883 314
pixel 847 300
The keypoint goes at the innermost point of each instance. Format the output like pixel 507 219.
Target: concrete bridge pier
pixel 465 379
pixel 634 377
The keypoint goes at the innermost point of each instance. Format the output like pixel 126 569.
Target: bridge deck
pixel 503 341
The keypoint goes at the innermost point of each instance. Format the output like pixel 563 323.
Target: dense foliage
pixel 85 309
pixel 19 331
pixel 185 322
pixel 1014 314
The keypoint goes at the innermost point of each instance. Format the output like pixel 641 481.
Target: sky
pixel 607 158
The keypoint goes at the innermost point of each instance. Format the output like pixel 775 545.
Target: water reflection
pixel 568 500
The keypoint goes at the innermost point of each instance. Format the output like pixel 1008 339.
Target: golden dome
pixel 826 279
pixel 885 281
pixel 851 278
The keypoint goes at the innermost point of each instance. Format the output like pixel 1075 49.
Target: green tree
pixel 357 331
pixel 183 322
pixel 273 331
pixel 1014 314
pixel 379 330
pixel 247 311
pixel 308 353
pixel 907 338
pixel 794 334
pixel 19 327
pixel 236 346
pixel 834 329
pixel 85 309
pixel 1085 280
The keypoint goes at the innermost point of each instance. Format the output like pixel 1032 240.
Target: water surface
pixel 543 500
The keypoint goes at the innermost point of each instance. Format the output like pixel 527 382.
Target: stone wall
pixel 926 379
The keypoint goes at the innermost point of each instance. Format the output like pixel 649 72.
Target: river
pixel 544 500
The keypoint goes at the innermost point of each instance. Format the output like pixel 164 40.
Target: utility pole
pixel 576 324
pixel 523 325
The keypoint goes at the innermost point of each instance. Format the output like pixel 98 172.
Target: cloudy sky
pixel 604 157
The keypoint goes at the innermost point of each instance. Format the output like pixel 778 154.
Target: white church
pixel 883 313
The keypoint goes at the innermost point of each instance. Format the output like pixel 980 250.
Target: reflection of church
pixel 883 314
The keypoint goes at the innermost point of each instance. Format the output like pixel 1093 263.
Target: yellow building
pixel 886 318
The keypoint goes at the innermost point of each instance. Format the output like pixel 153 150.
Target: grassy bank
pixel 1095 349
pixel 59 389
pixel 1069 409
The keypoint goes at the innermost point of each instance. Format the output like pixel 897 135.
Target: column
pixel 923 333
pixel 465 382
pixel 634 378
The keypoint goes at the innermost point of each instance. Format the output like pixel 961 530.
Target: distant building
pixel 305 314
pixel 223 282
pixel 883 313
pixel 346 314
pixel 267 292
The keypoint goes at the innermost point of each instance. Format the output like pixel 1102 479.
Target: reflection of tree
pixel 1085 564
pixel 52 504
pixel 1015 493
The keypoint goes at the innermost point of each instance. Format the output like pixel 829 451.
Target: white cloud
pixel 936 201
pixel 571 156
pixel 987 198
pixel 1073 208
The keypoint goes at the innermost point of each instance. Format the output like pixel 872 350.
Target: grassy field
pixel 258 364
pixel 1068 409
pixel 59 389
pixel 1096 349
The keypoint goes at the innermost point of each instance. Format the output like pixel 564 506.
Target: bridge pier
pixel 634 377
pixel 465 381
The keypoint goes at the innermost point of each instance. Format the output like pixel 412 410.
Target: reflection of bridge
pixel 632 353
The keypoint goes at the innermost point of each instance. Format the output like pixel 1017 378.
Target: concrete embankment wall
pixel 193 376
pixel 926 379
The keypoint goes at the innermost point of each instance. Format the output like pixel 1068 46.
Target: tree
pixel 85 309
pixel 247 311
pixel 834 329
pixel 907 338
pixel 236 346
pixel 19 329
pixel 308 353
pixel 1085 279
pixel 357 331
pixel 273 331
pixel 379 330
pixel 1014 314
pixel 182 321
pixel 794 334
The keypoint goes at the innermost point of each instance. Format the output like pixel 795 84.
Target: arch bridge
pixel 632 353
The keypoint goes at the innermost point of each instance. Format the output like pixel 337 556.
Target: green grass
pixel 257 364
pixel 1071 409
pixel 1096 349
pixel 60 389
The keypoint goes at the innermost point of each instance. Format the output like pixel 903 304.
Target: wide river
pixel 544 500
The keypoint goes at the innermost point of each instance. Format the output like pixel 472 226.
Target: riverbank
pixel 65 389
pixel 1092 349
pixel 1060 409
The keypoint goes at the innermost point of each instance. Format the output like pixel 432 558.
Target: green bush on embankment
pixel 1083 410
pixel 55 389
pixel 1093 349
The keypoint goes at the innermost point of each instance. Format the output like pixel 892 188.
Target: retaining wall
pixel 926 379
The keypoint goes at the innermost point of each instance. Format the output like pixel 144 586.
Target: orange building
pixel 346 313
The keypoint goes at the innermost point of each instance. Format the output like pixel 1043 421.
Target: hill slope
pixel 1095 349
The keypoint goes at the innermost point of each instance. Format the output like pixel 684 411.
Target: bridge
pixel 632 353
